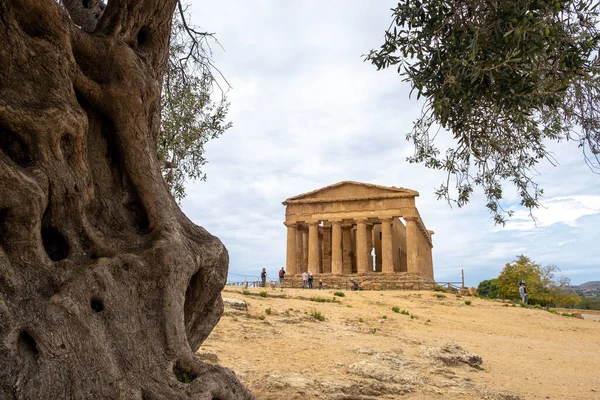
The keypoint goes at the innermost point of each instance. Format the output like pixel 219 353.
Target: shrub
pixel 414 317
pixel 361 320
pixel 523 305
pixel 268 311
pixel 322 300
pixel 317 315
pixel 373 330
pixel 505 305
pixel 440 296
pixel 261 317
pixel 468 302
pixel 339 294
pixel 384 317
pixel 263 293
pixel 245 292
pixel 395 309
pixel 404 312
pixel 428 320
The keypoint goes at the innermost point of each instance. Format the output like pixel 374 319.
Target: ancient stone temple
pixel 353 228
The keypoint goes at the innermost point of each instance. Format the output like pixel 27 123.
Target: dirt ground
pixel 440 348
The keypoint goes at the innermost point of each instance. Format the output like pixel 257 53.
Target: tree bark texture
pixel 106 288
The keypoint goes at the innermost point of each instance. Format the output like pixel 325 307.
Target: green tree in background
pixel 543 287
pixel 488 288
pixel 190 114
pixel 500 78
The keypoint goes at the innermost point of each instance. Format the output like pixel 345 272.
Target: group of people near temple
pixel 307 279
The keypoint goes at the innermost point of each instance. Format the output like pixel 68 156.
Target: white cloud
pixel 566 210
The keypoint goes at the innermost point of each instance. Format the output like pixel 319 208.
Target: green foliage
pixel 395 309
pixel 268 311
pixel 505 305
pixel 468 302
pixel 384 317
pixel 317 315
pixel 339 294
pixel 190 115
pixel 361 320
pixel 245 292
pixel 488 288
pixel 373 330
pixel 503 78
pixel 440 296
pixel 322 300
pixel 543 287
pixel 404 312
pixel 413 317
pixel 263 293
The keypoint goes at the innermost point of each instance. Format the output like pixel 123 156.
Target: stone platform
pixel 367 281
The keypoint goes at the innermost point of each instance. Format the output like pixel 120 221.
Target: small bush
pixel 245 292
pixel 317 315
pixel 384 317
pixel 404 312
pixel 395 309
pixel 268 311
pixel 322 300
pixel 468 302
pixel 414 317
pixel 262 317
pixel 440 296
pixel 505 305
pixel 373 330
pixel 440 289
pixel 514 305
pixel 361 320
pixel 537 306
pixel 349 306
pixel 263 293
pixel 523 305
pixel 339 294
pixel 428 320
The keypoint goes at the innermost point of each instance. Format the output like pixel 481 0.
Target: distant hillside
pixel 588 289
pixel 592 285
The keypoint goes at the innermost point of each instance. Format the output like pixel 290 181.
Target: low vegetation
pixel 339 294
pixel 317 315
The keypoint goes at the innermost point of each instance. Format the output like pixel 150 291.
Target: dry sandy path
pixel 526 353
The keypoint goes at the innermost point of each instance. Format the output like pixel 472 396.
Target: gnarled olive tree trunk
pixel 106 288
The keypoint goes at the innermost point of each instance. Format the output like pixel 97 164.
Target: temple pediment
pixel 352 190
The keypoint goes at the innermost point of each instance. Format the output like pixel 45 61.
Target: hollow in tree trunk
pixel 106 288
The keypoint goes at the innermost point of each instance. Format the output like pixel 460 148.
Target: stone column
pixel 336 247
pixel 387 246
pixel 362 257
pixel 412 245
pixel 299 249
pixel 326 249
pixel 304 249
pixel 377 244
pixel 291 259
pixel 369 247
pixel 347 249
pixel 313 247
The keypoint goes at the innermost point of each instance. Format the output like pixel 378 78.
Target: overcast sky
pixel 307 112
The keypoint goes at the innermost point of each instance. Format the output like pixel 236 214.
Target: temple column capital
pixel 291 224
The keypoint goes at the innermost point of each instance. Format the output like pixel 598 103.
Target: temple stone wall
pixel 355 228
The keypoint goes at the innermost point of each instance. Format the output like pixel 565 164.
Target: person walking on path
pixel 310 279
pixel 281 276
pixel 304 280
pixel 263 277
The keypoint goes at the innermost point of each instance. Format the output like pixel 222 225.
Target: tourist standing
pixel 304 280
pixel 310 279
pixel 523 293
pixel 281 276
pixel 263 277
